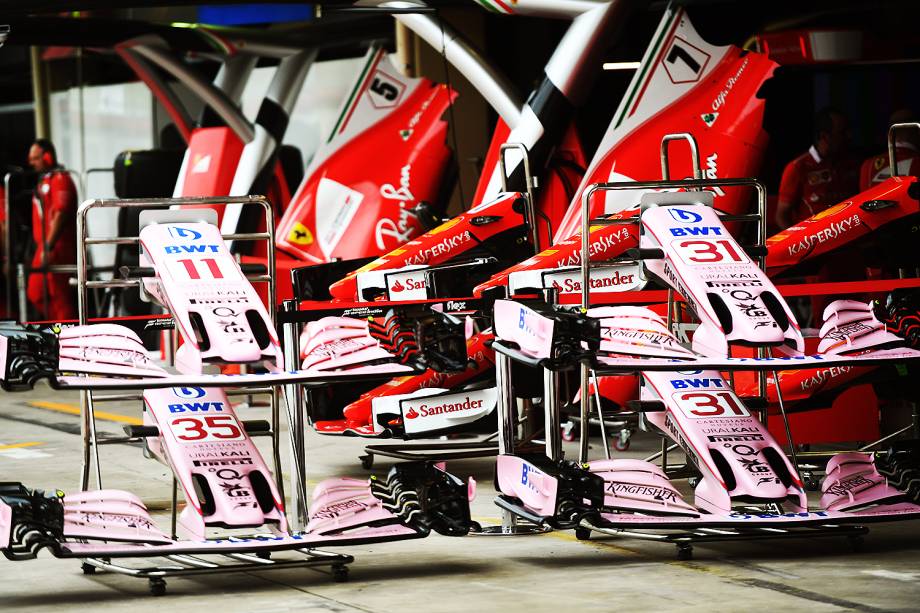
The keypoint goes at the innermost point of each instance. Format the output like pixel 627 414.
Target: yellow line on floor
pixel 72 409
pixel 18 445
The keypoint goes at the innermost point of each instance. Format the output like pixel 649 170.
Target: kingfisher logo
pixel 189 392
pixel 684 216
pixel 180 232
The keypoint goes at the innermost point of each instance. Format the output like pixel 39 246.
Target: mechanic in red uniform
pixel 54 220
pixel 822 176
pixel 906 151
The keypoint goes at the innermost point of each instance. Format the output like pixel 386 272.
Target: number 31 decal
pixel 705 404
pixel 699 251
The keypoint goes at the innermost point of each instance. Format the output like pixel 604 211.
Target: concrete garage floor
pixel 552 572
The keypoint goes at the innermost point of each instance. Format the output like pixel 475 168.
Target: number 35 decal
pixel 705 404
pixel 210 428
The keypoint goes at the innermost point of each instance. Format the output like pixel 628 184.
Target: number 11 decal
pixel 191 267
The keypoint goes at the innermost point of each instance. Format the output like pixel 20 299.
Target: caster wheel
pixel 88 569
pixel 693 482
pixel 568 433
pixel 685 553
pixel 621 445
pixel 857 544
pixel 340 573
pixel 157 587
pixel 367 461
pixel 583 534
pixel 264 555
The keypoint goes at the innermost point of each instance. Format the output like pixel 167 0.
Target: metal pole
pixel 506 421
pixel 7 245
pixel 21 289
pixel 293 396
pixel 782 411
pixel 551 418
pixel 40 93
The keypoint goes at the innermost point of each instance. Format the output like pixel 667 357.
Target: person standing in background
pixel 906 152
pixel 54 218
pixel 822 176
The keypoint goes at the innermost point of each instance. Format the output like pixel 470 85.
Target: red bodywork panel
pixel 731 144
pixel 213 155
pixel 447 241
pixel 358 413
pixel 370 184
pixel 841 224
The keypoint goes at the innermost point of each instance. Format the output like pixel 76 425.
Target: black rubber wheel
pixel 812 483
pixel 583 534
pixel 684 552
pixel 88 569
pixel 157 587
pixel 340 573
pixel 367 461
pixel 264 555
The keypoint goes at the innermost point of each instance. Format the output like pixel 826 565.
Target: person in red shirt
pixel 819 178
pixel 54 219
pixel 906 152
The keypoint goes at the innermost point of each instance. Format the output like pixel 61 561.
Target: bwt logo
pixel 526 479
pixel 180 232
pixel 193 249
pixel 189 392
pixel 701 231
pixel 681 384
pixel 196 407
pixel 684 216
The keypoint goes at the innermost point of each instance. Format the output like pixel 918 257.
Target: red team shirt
pixel 876 169
pixel 56 194
pixel 813 184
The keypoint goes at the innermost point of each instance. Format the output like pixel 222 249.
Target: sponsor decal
pixel 683 215
pixel 192 249
pixel 712 172
pixel 734 438
pixel 803 514
pixel 425 410
pixel 722 96
pixel 703 231
pixel 570 283
pixel 598 246
pixel 195 407
pixel 398 231
pixel 338 508
pixel 189 392
pixel 527 480
pixel 300 235
pixel 180 232
pixel 680 384
pixel 842 488
pixel 823 375
pixel 838 228
pixel 658 493
pixel 709 118
pixel 385 91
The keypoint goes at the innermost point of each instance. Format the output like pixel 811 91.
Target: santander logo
pixel 398 287
pixel 411 413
